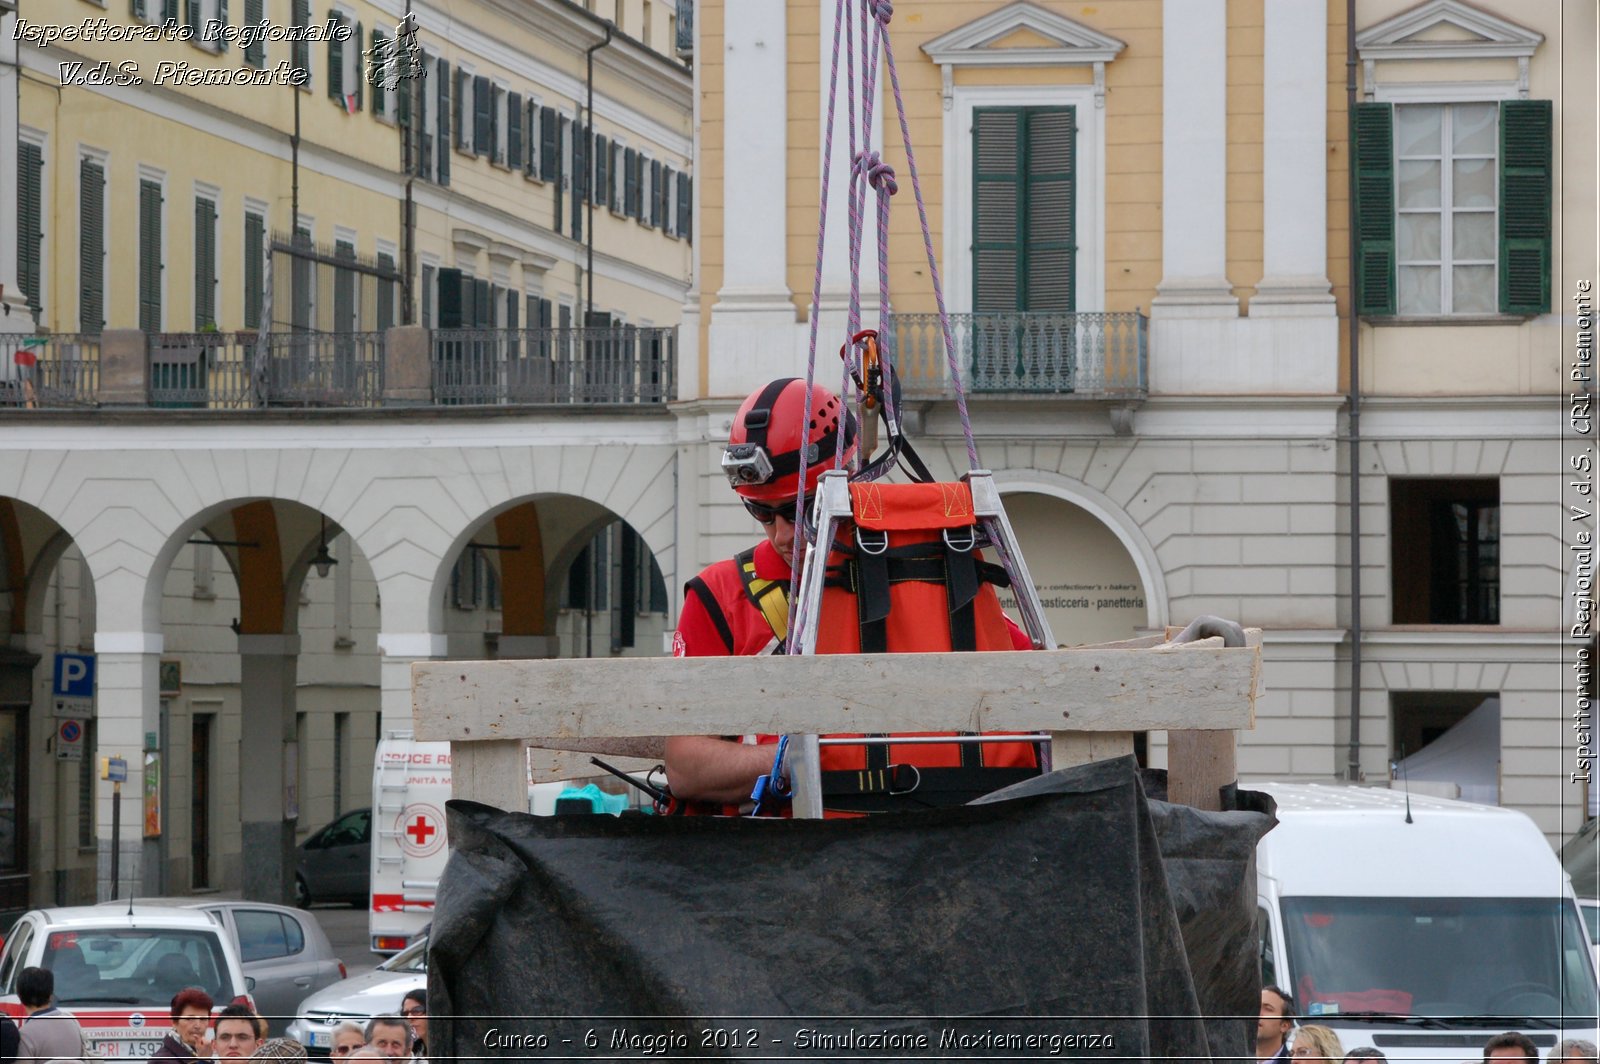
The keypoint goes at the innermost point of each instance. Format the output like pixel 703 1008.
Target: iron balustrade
pixel 611 365
pixel 56 370
pixel 1092 355
pixel 234 371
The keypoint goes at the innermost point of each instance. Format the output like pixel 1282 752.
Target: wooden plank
pixel 1046 690
pixel 1199 764
pixel 494 773
pixel 1080 748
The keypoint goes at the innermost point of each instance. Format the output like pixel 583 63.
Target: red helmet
pixel 763 456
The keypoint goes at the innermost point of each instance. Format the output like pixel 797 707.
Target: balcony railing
pixel 619 364
pixel 233 371
pixel 59 370
pixel 1088 355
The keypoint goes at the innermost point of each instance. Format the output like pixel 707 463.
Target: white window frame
pixel 430 260
pixel 619 179
pixel 208 11
pixel 263 210
pixel 1089 208
pixel 350 53
pixel 39 139
pixel 150 173
pixel 501 102
pixel 202 190
pixel 530 137
pixel 388 88
pixel 567 142
pixel 1444 93
pixel 468 100
pixel 646 191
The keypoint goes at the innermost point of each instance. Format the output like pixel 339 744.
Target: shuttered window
pixel 461 110
pixel 344 289
pixel 580 178
pixel 256 53
pixel 1453 208
pixel 302 293
pixel 614 192
pixel 385 292
pixel 300 50
pixel 255 236
pixel 482 117
pixel 1024 228
pixel 563 144
pixel 656 188
pixel 630 183
pixel 150 256
pixel 685 206
pixel 515 120
pixel 442 115
pixel 91 246
pixel 30 221
pixel 427 296
pixel 602 172
pixel 549 145
pixel 336 61
pixel 205 262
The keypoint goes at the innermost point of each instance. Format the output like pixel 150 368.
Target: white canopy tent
pixel 1468 755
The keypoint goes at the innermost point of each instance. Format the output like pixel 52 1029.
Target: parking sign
pixel 74 676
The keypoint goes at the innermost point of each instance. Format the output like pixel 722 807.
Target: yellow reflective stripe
pixel 773 599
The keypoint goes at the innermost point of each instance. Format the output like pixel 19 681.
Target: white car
pixel 361 997
pixel 118 967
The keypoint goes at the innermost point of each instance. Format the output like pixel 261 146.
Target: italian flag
pixel 24 355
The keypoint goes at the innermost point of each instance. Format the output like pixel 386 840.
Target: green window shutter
pixel 360 71
pixel 137 9
pixel 602 172
pixel 255 233
pixel 30 220
pixel 1525 206
pixel 630 183
pixel 514 121
pixel 169 10
pixel 222 17
pixel 655 194
pixel 997 147
pixel 91 246
pixel 301 50
pixel 379 104
pixel 1050 242
pixel 549 145
pixel 344 288
pixel 385 293
pixel 458 108
pixel 1372 160
pixel 149 256
pixel 205 262
pixel 685 206
pixel 482 117
pixel 254 12
pixel 443 138
pixel 191 15
pixel 336 63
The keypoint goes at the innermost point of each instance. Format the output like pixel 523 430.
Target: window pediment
pixel 1447 29
pixel 1023 34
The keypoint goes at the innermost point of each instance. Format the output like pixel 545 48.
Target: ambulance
pixel 410 784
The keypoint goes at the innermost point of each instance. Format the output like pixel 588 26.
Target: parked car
pixel 117 967
pixel 284 953
pixel 334 863
pixel 361 997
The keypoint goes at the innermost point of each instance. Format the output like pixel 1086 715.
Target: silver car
pixel 361 997
pixel 284 952
pixel 334 864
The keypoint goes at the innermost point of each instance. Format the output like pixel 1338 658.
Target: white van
pixel 410 784
pixel 1424 936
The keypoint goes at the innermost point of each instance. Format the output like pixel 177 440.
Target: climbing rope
pixel 868 19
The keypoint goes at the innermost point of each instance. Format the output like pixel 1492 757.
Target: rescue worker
pixel 721 617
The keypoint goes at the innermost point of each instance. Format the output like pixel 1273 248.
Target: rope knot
pixel 879 174
pixel 882 10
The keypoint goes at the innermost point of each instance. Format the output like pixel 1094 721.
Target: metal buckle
pixel 972 539
pixel 881 547
pixel 916 778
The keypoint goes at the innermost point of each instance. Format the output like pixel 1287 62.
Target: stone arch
pixel 1112 516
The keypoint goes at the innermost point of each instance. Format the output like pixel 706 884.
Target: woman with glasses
pixel 347 1038
pixel 414 1007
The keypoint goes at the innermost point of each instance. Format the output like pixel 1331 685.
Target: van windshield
pixel 1441 957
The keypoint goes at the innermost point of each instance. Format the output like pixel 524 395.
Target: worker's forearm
pixel 704 769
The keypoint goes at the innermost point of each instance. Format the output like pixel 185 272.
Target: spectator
pixel 10 1037
pixel 391 1036
pixel 281 1049
pixel 1272 1029
pixel 414 1007
pixel 47 1032
pixel 237 1033
pixel 1365 1053
pixel 347 1038
pixel 191 1016
pixel 1312 1041
pixel 1573 1051
pixel 365 1053
pixel 1512 1046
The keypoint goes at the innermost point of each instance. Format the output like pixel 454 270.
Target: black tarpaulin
pixel 1035 926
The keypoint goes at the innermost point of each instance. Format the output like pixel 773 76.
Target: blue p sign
pixel 74 676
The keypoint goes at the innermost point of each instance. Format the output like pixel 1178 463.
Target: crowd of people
pixel 48 1035
pixel 1280 1039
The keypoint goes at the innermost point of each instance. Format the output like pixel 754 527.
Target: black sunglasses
pixel 767 513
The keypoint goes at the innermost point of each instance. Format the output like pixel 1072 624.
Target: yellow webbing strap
pixel 771 597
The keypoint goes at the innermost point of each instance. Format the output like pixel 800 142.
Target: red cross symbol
pixel 420 830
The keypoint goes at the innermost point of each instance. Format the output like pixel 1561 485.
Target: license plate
pixel 322 1039
pixel 127 1050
